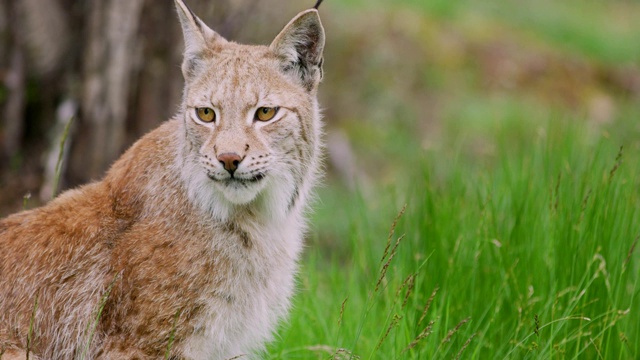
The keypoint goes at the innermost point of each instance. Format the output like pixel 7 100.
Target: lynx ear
pixel 299 47
pixel 198 37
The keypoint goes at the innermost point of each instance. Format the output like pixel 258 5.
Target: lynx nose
pixel 230 161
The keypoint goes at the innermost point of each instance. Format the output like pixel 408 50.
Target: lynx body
pixel 189 245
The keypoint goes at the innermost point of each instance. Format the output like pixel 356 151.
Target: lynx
pixel 188 247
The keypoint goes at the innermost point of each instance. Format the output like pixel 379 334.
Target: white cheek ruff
pixel 202 192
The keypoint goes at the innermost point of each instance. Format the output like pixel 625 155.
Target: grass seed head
pixel 385 267
pixel 617 164
pixel 344 302
pixel 630 252
pixel 394 322
pixel 465 345
pixel 454 330
pixel 425 332
pixel 391 232
pixel 428 304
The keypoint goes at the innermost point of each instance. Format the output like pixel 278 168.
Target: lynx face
pixel 246 123
pixel 250 112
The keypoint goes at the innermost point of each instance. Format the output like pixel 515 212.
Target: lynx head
pixel 251 119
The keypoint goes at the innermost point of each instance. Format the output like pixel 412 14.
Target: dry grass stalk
pixel 344 354
pixel 584 206
pixel 394 322
pixel 464 346
pixel 409 282
pixel 554 204
pixel 633 247
pixel 423 334
pixel 617 164
pixel 595 346
pixel 344 302
pixel 404 283
pixel 428 304
pixel 410 286
pixel 335 354
pixel 391 232
pixel 454 330
pixel 385 267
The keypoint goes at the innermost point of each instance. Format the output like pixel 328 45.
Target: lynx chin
pixel 188 247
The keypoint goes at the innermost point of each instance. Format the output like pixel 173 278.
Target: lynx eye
pixel 266 113
pixel 206 114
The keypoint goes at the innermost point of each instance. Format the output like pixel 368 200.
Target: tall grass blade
pixel 63 140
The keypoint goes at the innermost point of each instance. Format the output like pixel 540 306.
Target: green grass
pixel 529 256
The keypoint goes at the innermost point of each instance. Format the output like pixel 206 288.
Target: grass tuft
pixel 32 321
pixel 92 326
pixel 25 200
pixel 58 173
pixel 172 335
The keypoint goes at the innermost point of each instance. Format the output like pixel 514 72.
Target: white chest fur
pixel 244 308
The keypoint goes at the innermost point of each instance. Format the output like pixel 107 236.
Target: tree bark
pixel 108 60
pixel 13 79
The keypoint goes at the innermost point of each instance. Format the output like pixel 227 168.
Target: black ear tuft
pixel 317 5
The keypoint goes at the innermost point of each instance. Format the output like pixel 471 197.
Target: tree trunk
pixel 13 80
pixel 110 51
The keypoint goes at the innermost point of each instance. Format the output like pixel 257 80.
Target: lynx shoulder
pixel 190 242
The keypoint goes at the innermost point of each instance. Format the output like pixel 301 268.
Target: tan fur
pixel 166 246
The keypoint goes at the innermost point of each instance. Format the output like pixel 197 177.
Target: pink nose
pixel 230 161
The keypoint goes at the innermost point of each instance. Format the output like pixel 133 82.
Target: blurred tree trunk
pixel 13 81
pixel 110 49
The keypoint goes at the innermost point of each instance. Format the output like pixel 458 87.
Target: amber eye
pixel 206 114
pixel 266 113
